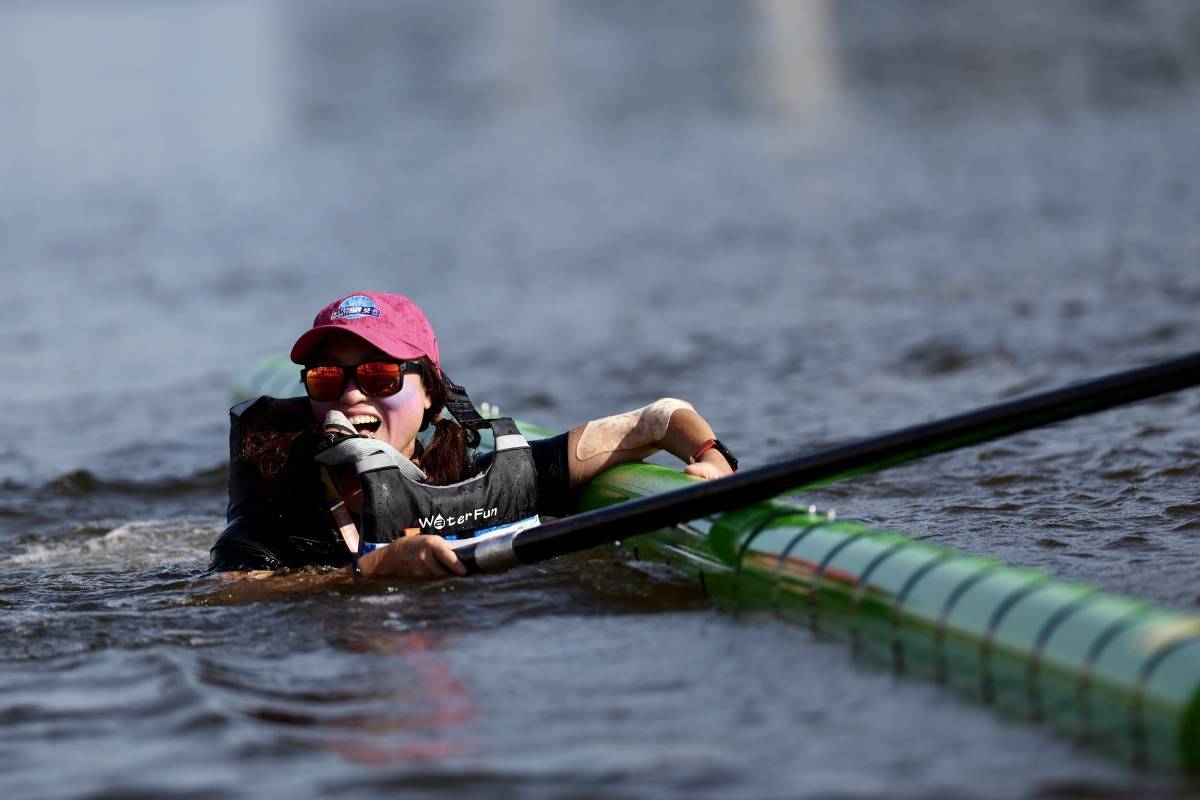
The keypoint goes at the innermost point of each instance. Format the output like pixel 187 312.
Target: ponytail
pixel 445 459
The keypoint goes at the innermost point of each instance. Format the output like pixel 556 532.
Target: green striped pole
pixel 1106 670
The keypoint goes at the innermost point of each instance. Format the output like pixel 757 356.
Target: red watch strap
pixel 704 448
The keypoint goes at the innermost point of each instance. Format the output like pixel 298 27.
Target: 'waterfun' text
pixel 439 522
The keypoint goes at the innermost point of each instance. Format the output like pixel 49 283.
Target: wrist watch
pixel 715 444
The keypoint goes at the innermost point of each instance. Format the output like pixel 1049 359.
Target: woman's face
pixel 394 419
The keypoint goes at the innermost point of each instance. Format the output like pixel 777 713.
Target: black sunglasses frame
pixel 347 371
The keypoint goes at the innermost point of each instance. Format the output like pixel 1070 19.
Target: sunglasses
pixel 326 382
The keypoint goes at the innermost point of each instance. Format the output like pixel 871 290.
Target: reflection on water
pixel 1013 58
pixel 815 220
pixel 100 90
pixel 120 91
pixel 799 65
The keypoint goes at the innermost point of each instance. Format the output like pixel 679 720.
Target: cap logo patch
pixel 354 307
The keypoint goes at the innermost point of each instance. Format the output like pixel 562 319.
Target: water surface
pixel 814 220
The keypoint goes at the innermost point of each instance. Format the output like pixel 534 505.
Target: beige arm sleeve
pixel 628 431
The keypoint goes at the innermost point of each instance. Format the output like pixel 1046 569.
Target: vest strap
pixel 368 455
pixel 462 409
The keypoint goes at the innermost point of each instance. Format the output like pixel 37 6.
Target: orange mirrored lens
pixel 324 383
pixel 379 377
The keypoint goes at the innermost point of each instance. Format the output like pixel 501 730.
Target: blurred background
pixel 815 220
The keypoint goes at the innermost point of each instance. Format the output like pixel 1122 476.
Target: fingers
pixel 707 470
pixel 431 557
pixel 438 557
pixel 446 555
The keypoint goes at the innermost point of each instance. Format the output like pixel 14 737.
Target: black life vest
pixel 395 496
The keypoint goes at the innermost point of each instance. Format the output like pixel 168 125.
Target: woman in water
pixel 342 477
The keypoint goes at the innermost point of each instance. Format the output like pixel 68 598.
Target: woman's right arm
pixel 418 556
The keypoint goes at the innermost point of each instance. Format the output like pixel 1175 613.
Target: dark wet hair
pixel 445 460
pixel 282 442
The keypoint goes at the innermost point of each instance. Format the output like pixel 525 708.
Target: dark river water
pixel 814 220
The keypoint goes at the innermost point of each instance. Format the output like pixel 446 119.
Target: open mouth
pixel 366 425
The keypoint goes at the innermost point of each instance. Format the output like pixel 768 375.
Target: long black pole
pixel 593 528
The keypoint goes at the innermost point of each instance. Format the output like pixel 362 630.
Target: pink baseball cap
pixel 391 322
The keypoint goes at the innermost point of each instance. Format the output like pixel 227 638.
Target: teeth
pixel 363 419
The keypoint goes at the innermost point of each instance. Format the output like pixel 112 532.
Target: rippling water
pixel 814 220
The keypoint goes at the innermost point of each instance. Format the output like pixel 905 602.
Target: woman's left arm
pixel 667 424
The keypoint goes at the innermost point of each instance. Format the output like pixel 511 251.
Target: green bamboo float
pixel 1107 670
